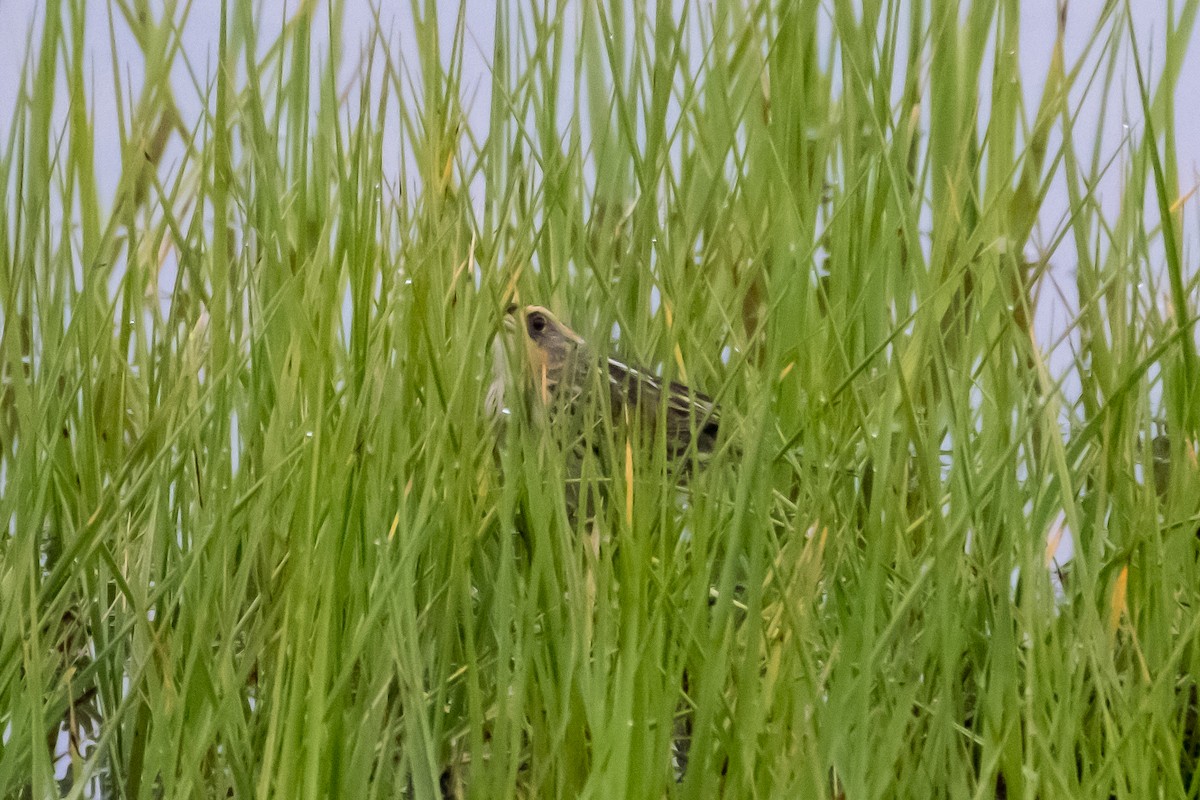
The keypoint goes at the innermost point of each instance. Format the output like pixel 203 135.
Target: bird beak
pixel 510 318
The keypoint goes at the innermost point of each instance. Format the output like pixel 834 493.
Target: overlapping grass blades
pixel 261 536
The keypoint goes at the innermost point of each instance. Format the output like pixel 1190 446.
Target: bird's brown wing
pixel 692 419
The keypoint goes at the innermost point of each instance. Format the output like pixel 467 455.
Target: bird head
pixel 545 345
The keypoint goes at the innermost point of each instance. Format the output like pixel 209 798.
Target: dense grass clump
pixel 262 537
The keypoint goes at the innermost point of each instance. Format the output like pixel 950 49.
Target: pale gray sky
pixel 23 20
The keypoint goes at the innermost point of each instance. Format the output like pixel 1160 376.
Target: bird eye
pixel 537 323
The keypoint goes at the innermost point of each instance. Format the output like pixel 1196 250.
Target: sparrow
pixel 564 374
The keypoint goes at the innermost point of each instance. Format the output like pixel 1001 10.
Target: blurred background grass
pixel 261 537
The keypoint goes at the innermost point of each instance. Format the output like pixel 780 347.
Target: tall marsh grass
pixel 261 538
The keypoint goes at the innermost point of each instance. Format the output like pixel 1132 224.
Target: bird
pixel 563 373
pixel 577 391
